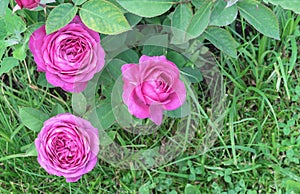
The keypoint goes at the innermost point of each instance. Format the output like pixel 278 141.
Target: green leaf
pixel 198 3
pixel 60 16
pixel 231 3
pixel 114 42
pixel 200 20
pixel 79 2
pixel 261 17
pixel 222 39
pixel 157 40
pixel 2 48
pixel 222 15
pixel 20 52
pixel 57 109
pixel 193 74
pixel 129 56
pixel 144 189
pixel 42 81
pixel 103 17
pixel 14 24
pixel 133 19
pixel 30 149
pixel 292 186
pixel 180 21
pixel 7 64
pixel 180 112
pixel 176 58
pixel 3 6
pixel 114 68
pixel 146 8
pixel 155 45
pixel 43 2
pixel 79 103
pixel 151 50
pixel 191 189
pixel 105 114
pixel 32 118
pixel 293 5
pixel 3 32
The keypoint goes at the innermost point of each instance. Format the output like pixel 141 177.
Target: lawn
pixel 247 139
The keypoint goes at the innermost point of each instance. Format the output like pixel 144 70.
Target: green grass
pixel 257 150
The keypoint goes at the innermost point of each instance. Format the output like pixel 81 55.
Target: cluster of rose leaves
pixel 68 145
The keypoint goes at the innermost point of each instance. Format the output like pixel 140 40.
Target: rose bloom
pixel 29 4
pixel 67 146
pixel 151 87
pixel 70 56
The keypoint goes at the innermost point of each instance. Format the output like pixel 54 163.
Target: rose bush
pixel 29 4
pixel 151 87
pixel 67 146
pixel 70 56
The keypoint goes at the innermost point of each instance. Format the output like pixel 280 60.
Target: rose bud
pixel 28 4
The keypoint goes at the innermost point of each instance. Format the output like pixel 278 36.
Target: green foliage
pixel 231 3
pixel 261 17
pixel 32 118
pixel 3 6
pixel 200 21
pixel 105 114
pixel 222 39
pixel 104 17
pixel 293 5
pixel 20 52
pixel 79 2
pixel 193 74
pixel 257 149
pixel 7 64
pixel 190 189
pixel 57 109
pixel 176 58
pixel 42 81
pixel 222 15
pixel 14 24
pixel 60 16
pixel 180 112
pixel 180 22
pixel 79 103
pixel 146 8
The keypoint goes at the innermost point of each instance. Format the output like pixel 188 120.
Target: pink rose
pixel 151 87
pixel 70 56
pixel 29 4
pixel 67 146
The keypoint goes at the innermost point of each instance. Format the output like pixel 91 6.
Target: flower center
pixel 65 149
pixel 161 86
pixel 71 49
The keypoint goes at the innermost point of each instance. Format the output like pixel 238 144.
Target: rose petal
pixel 35 42
pixel 156 113
pixel 177 98
pixel 130 73
pixel 72 179
pixel 137 108
pixel 145 58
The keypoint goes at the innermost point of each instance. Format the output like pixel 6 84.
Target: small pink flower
pixel 29 4
pixel 151 87
pixel 67 146
pixel 70 56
